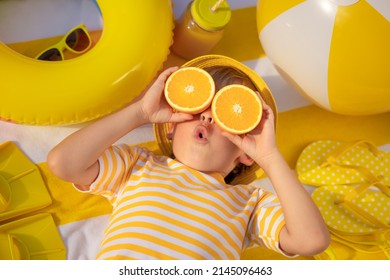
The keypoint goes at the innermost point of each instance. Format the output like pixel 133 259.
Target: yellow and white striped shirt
pixel 165 210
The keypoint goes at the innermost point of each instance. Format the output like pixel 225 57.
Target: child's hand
pixel 154 107
pixel 260 143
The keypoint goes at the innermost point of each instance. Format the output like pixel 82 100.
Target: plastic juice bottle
pixel 200 28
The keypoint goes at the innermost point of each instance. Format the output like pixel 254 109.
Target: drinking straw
pixel 216 5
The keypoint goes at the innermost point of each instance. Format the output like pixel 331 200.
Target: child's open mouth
pixel 201 133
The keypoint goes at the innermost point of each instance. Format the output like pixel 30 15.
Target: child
pixel 182 207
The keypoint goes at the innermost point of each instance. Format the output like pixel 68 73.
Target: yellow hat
pixel 161 130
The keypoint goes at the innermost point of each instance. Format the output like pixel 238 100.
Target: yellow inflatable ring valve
pixel 133 46
pixel 336 52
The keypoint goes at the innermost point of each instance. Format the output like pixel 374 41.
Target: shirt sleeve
pixel 266 223
pixel 115 166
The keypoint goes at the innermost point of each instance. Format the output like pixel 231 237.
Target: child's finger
pixel 267 110
pixel 161 79
pixel 167 72
pixel 265 105
pixel 181 117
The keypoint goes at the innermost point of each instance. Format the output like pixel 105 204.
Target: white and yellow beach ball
pixel 336 52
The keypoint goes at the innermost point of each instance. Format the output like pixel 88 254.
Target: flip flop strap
pixel 360 213
pixel 333 157
pixel 370 180
pixel 365 172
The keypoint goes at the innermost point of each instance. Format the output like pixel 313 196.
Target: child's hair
pixel 224 76
pixel 225 71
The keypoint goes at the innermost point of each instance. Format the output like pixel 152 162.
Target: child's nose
pixel 206 117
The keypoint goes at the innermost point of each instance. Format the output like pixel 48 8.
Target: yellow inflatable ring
pixel 132 48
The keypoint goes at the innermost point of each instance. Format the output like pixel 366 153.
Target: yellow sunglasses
pixel 76 40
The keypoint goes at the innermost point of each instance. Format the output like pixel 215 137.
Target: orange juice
pixel 200 28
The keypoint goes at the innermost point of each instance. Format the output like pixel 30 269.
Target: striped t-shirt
pixel 165 210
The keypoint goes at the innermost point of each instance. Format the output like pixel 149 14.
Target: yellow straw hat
pixel 161 130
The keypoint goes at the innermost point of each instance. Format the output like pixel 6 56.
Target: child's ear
pixel 171 128
pixel 246 160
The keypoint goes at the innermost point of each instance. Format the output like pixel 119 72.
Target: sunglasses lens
pixel 78 40
pixel 51 55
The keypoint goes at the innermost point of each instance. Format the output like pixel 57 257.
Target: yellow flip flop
pixel 22 188
pixel 34 237
pixel 358 218
pixel 353 196
pixel 350 209
pixel 327 162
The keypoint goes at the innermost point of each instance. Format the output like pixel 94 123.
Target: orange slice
pixel 237 109
pixel 190 90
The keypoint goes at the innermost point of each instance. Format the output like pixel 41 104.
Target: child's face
pixel 200 145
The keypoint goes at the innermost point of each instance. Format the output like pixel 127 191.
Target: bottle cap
pixel 206 18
